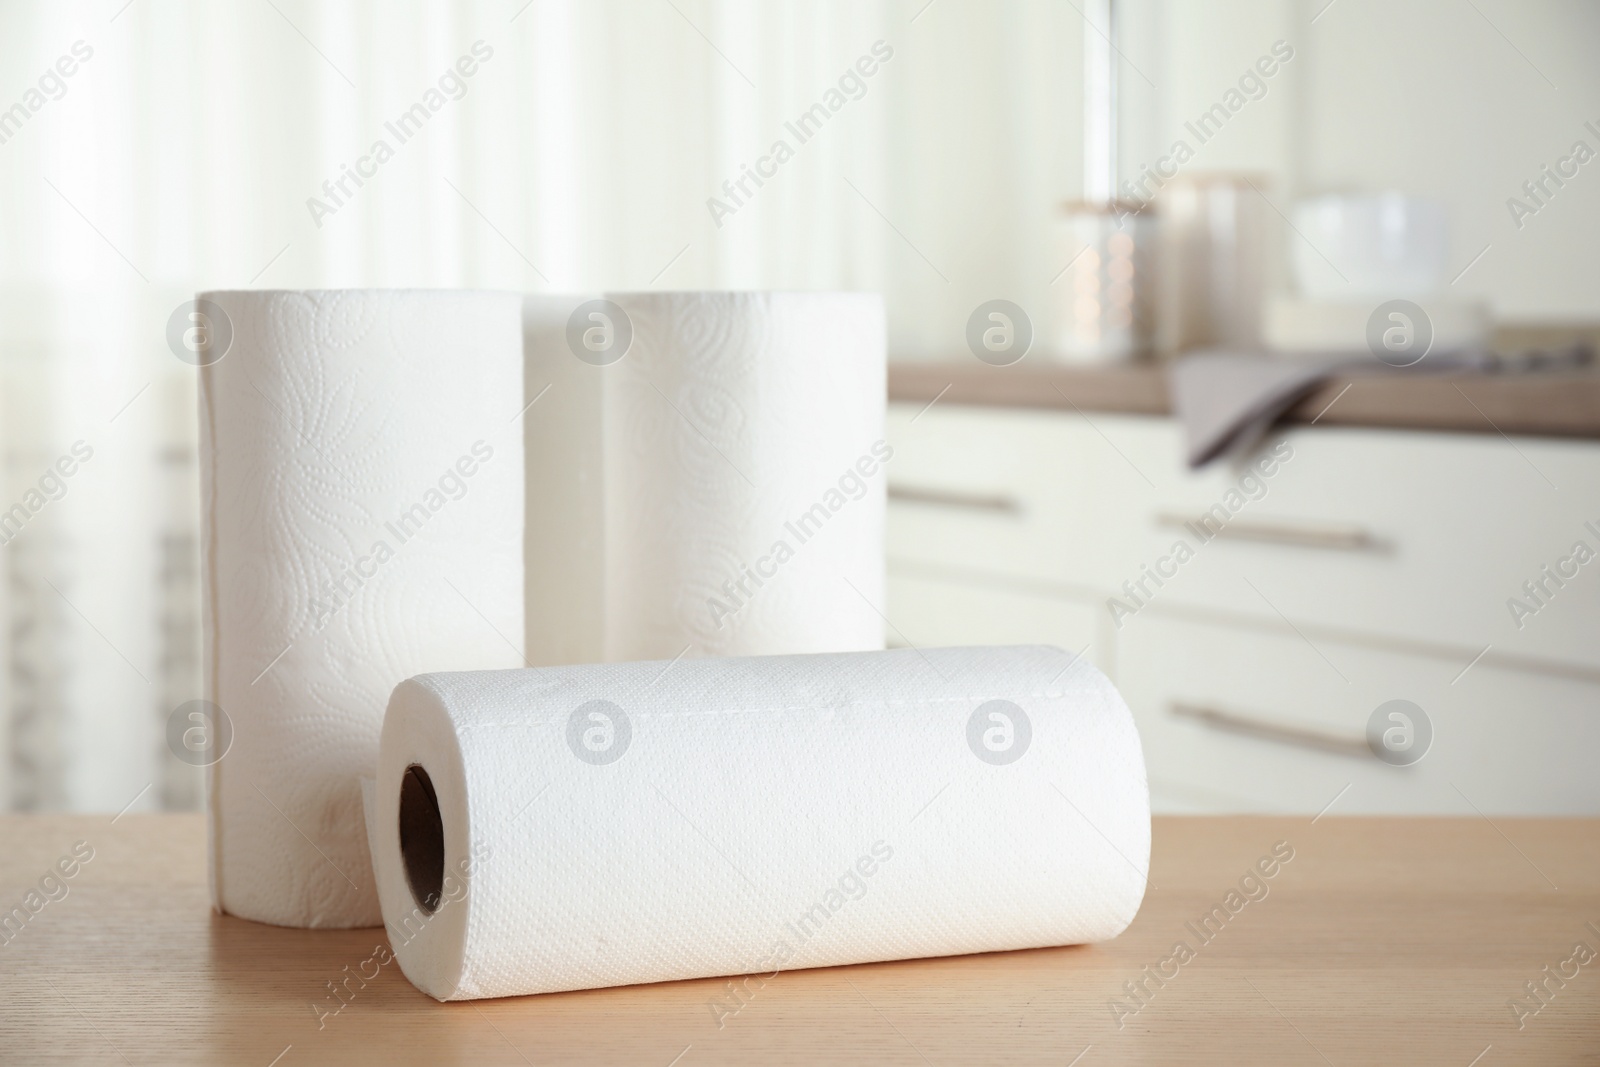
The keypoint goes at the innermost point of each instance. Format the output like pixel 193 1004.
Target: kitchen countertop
pixel 1553 403
pixel 1383 940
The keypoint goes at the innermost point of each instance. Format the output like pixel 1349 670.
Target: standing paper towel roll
pixel 574 827
pixel 706 474
pixel 361 481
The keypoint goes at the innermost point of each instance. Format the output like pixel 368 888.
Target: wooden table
pixel 1394 941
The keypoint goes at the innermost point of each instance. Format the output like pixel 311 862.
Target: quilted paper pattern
pixel 345 548
pixel 683 465
pixel 728 836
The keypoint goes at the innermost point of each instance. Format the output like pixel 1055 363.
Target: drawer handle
pixel 1301 534
pixel 950 498
pixel 1250 726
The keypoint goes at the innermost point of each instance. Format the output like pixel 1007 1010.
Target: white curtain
pixel 186 145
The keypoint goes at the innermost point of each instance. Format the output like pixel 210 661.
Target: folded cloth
pixel 1227 401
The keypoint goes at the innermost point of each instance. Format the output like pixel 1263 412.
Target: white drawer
pixel 1239 719
pixel 1421 536
pixel 932 612
pixel 1444 528
pixel 989 492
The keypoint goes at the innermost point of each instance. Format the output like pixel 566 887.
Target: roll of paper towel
pixel 362 501
pixel 706 474
pixel 573 827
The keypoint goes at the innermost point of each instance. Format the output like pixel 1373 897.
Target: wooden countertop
pixel 1394 941
pixel 1552 404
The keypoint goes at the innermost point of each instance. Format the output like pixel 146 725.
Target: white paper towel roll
pixel 362 498
pixel 575 827
pixel 706 474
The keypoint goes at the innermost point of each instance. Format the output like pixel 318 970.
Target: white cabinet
pixel 1354 567
pixel 934 611
pixel 1266 721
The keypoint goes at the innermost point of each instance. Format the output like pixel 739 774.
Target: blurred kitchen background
pixel 1335 156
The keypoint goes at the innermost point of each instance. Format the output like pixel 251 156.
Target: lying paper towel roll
pixel 362 481
pixel 706 474
pixel 573 827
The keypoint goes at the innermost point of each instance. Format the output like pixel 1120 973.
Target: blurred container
pixel 1295 326
pixel 1370 246
pixel 1106 295
pixel 1215 241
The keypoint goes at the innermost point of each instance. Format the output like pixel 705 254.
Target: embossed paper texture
pixel 719 489
pixel 612 824
pixel 362 509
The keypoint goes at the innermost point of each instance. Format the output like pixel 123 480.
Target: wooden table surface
pixel 1393 941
